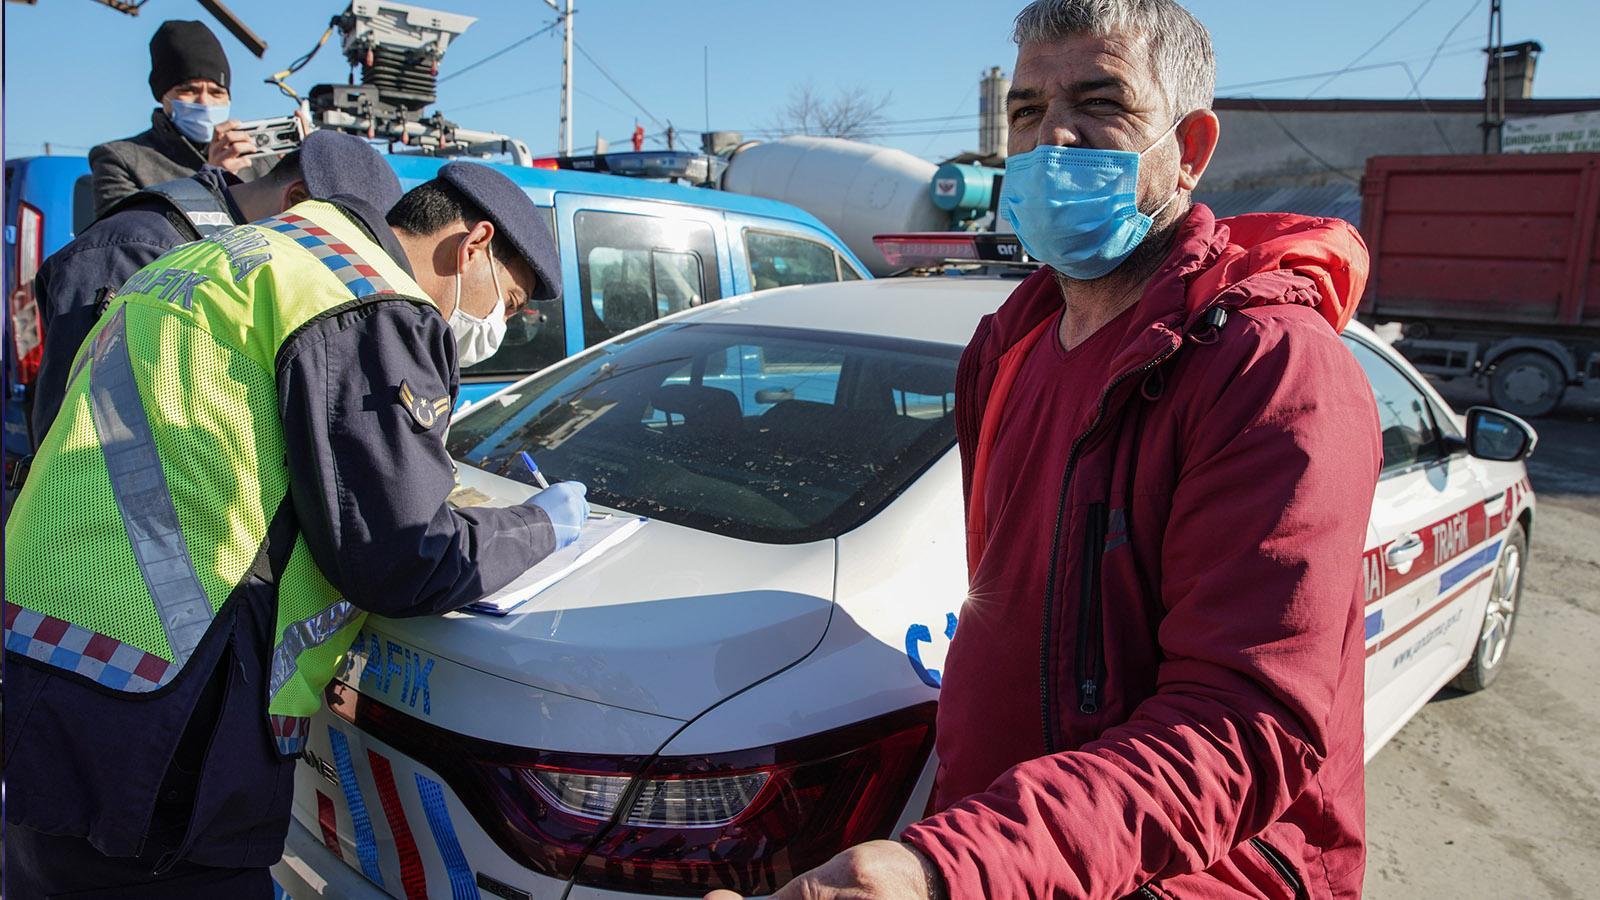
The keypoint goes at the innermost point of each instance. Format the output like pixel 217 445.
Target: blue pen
pixel 533 469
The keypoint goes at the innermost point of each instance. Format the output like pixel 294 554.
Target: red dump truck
pixel 1491 266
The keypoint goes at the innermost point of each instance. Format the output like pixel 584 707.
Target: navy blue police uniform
pixel 77 281
pixel 369 484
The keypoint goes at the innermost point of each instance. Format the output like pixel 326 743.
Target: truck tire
pixel 1499 615
pixel 1527 384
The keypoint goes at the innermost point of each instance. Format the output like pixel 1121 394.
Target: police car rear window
pixel 777 435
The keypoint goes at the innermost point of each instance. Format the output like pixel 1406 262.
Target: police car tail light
pixel 26 328
pixel 748 820
pixel 751 820
pixel 690 802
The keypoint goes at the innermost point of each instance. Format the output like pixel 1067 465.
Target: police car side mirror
pixel 1499 436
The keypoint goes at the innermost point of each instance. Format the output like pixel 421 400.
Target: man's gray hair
pixel 1180 47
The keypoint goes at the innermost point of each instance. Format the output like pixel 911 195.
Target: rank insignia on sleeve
pixel 424 411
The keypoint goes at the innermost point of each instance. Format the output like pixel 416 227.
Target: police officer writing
pixel 249 459
pixel 189 77
pixel 76 282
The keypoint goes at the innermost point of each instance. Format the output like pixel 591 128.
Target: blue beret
pixel 335 164
pixel 514 217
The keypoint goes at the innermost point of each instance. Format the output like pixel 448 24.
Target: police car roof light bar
pixel 696 168
pixel 924 249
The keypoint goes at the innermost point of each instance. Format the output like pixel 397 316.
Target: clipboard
pixel 598 538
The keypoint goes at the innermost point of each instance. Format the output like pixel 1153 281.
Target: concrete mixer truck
pixel 863 191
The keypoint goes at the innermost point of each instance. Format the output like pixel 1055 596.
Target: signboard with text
pixel 1566 133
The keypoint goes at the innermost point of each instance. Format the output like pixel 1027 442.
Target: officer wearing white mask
pixel 296 377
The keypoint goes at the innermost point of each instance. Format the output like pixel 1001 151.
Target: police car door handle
pixel 1404 551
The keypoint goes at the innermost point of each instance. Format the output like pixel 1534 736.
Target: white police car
pixel 747 685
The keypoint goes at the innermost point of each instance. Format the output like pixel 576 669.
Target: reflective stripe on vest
pixel 301 636
pixel 193 200
pixel 140 487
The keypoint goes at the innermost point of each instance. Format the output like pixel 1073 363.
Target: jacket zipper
pixel 1046 700
pixel 1091 641
pixel 1284 870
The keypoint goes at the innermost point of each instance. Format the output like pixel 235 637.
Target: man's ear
pixel 479 237
pixel 1197 141
pixel 295 194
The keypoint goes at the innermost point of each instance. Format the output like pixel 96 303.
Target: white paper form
pixel 598 537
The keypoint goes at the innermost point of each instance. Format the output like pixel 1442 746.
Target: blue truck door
pixel 627 262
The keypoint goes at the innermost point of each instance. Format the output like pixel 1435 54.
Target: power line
pixel 1290 79
pixel 603 101
pixel 1301 144
pixel 618 85
pixel 477 103
pixel 1375 45
pixel 1433 118
pixel 1471 8
pixel 502 51
pixel 973 90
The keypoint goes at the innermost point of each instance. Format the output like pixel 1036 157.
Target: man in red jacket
pixel 1169 456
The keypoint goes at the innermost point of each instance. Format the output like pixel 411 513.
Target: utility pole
pixel 566 74
pixel 1494 80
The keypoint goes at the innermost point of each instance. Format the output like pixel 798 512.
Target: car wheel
pixel 1527 384
pixel 1499 615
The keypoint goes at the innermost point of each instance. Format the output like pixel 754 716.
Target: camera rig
pixel 396 47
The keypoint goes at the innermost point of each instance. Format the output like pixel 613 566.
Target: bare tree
pixel 853 113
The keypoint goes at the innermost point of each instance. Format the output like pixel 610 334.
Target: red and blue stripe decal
pixel 1445 545
pixel 462 884
pixel 328 821
pixel 1465 569
pixel 412 876
pixel 360 822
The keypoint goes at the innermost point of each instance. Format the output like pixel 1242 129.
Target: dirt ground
pixel 1497 794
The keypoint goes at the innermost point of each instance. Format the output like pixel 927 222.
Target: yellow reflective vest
pixel 151 498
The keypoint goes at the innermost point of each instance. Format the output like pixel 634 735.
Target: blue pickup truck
pixel 632 250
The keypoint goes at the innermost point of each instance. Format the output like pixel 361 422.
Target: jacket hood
pixel 1260 259
pixel 1266 259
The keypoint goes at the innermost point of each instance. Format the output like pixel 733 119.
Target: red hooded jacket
pixel 1201 663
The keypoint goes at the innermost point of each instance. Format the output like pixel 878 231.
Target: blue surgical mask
pixel 1075 209
pixel 198 121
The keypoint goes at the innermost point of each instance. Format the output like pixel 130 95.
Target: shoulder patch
pixel 425 411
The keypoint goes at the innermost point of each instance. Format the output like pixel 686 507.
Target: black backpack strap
pixel 202 212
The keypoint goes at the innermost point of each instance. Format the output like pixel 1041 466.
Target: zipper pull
pixel 1088 694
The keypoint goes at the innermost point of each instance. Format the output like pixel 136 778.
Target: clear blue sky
pixel 75 71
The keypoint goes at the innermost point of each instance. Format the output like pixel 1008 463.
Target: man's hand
pixel 564 503
pixel 878 870
pixel 228 147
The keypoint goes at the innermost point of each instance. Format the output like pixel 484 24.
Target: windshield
pixel 777 435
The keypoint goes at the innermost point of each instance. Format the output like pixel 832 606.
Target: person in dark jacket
pixel 1155 688
pixel 76 282
pixel 190 78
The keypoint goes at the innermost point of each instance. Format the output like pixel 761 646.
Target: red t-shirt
pixel 1051 403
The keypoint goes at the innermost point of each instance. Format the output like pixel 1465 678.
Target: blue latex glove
pixel 568 511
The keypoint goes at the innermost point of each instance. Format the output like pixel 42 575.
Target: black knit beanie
pixel 182 51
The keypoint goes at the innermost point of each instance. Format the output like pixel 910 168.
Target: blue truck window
pixel 634 269
pixel 779 260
